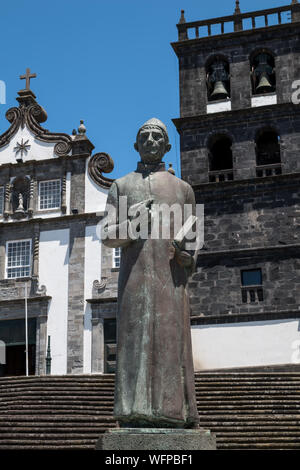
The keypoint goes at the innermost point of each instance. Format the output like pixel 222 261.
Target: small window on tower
pixel 1 199
pixel 49 194
pixel 252 290
pixel 253 277
pixel 218 80
pixel 116 257
pixel 263 73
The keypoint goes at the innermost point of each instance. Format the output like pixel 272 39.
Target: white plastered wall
pixel 95 196
pixel 218 107
pixel 38 150
pixel 245 344
pixel 92 272
pixel 257 101
pixel 53 273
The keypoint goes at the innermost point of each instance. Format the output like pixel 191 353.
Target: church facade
pixel 52 196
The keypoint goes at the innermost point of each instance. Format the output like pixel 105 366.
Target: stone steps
pixel 246 410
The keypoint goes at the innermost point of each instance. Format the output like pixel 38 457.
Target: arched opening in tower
pixel 218 80
pixel 263 73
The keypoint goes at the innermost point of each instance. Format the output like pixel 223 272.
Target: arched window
pixel 220 159
pixel 263 73
pixel 268 159
pixel 218 79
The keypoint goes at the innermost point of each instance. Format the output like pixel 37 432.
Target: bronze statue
pixel 154 375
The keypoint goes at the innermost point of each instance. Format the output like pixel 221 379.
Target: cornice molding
pixel 256 114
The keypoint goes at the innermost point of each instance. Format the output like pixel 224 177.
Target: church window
pixel 252 290
pixel 220 159
pixel 49 194
pixel 1 200
pixel 263 73
pixel 268 159
pixel 218 80
pixel 116 257
pixel 18 255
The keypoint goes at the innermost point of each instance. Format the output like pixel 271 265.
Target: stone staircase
pixel 246 410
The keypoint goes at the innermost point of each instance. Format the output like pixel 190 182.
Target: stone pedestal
pixel 156 439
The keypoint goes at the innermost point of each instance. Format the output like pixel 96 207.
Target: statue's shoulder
pixel 183 184
pixel 126 179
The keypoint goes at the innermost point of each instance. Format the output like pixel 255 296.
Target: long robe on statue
pixel 154 384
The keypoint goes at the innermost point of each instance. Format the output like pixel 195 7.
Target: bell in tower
pixel 218 80
pixel 263 74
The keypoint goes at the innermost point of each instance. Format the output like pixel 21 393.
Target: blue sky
pixel 108 62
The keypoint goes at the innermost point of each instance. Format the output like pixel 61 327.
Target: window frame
pixel 114 258
pixel 251 285
pixel 39 195
pixel 30 260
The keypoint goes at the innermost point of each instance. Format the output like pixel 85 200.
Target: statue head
pixel 152 141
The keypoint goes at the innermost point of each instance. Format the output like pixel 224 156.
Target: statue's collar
pixel 150 167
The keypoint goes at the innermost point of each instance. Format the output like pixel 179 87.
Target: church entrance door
pixel 12 333
pixel 110 344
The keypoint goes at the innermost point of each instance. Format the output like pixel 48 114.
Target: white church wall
pixel 95 197
pixel 245 344
pixel 45 215
pixel 257 101
pixel 218 107
pixel 53 273
pixel 38 150
pixel 68 192
pixel 92 272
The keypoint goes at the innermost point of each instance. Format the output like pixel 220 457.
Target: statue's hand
pixel 183 258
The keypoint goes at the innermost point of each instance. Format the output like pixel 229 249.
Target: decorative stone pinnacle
pixel 171 169
pixel 182 18
pixel 237 10
pixel 81 128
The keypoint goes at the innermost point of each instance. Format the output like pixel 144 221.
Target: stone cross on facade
pixel 27 77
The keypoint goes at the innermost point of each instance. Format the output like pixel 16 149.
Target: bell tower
pixel 239 129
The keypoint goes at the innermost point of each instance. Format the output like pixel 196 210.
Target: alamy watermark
pixel 2 92
pixel 296 93
pixel 183 224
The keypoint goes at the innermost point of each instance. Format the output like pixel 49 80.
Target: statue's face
pixel 151 144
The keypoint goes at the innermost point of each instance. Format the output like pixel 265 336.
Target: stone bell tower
pixel 239 129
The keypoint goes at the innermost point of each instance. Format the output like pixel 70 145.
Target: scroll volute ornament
pixel 36 114
pixel 32 114
pixel 98 164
